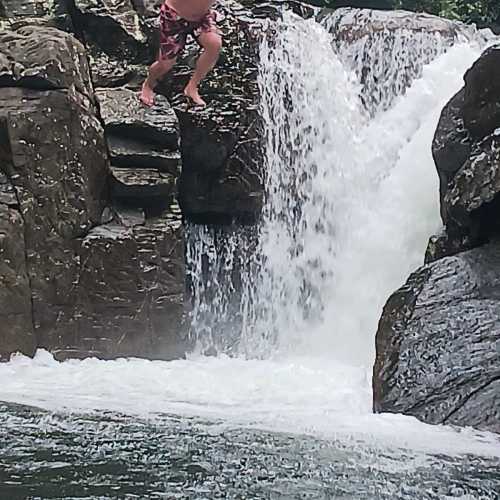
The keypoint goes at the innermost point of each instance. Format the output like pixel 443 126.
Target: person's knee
pixel 213 43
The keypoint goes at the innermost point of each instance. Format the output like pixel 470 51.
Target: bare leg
pixel 211 43
pixel 156 72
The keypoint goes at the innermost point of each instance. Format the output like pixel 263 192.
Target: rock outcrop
pixel 438 340
pixel 90 233
pixel 438 343
pixel 466 150
pixel 221 157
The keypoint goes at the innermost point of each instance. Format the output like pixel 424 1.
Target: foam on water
pixel 305 396
pixel 351 201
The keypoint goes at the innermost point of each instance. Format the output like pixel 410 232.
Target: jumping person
pixel 178 19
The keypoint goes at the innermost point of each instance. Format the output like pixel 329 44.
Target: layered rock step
pixel 143 145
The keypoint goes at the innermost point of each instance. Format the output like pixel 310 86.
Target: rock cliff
pixel 438 341
pixel 91 233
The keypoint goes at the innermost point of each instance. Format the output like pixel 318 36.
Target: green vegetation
pixel 481 12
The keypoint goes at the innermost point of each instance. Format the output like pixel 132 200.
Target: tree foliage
pixel 481 12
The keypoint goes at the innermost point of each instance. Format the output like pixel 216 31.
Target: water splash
pixel 351 190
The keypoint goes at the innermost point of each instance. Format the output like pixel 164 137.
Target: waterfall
pixel 351 198
pixel 351 195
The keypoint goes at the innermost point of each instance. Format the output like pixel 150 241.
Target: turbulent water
pixel 290 306
pixel 352 194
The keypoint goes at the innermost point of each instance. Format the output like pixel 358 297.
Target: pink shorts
pixel 174 30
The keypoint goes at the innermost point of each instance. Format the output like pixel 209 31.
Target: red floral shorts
pixel 174 30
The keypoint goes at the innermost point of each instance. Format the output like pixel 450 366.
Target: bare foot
pixel 147 96
pixel 192 93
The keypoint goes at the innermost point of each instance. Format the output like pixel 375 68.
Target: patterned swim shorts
pixel 174 30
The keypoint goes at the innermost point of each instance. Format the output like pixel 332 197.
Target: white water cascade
pixel 352 198
pixel 352 193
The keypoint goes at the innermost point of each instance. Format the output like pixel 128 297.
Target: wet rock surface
pixel 60 191
pixel 43 58
pixel 73 285
pixel 142 187
pixel 124 115
pixel 466 153
pixel 222 176
pixel 16 332
pixel 131 290
pixel 438 343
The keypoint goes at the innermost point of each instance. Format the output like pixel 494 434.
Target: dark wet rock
pixel 466 150
pixel 61 192
pixel 123 114
pixel 42 12
pixel 475 186
pixel 115 27
pixel 128 153
pixel 444 245
pixel 220 145
pixel 438 343
pixel 109 71
pixel 106 291
pixel 452 144
pixel 43 58
pixel 7 192
pixel 16 330
pixel 130 292
pixel 221 172
pixel 142 187
pixel 481 107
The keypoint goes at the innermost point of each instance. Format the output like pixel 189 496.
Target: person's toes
pixel 146 96
pixel 144 100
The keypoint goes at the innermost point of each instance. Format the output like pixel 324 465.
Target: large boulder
pixel 438 343
pixel 73 285
pixel 466 152
pixel 481 109
pixel 43 58
pixel 60 181
pixel 130 294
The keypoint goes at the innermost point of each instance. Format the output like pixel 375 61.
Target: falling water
pixel 352 193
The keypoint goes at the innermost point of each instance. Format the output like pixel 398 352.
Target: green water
pixel 108 455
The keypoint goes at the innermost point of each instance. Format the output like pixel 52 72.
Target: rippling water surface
pixel 111 455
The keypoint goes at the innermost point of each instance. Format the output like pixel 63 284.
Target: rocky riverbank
pixel 90 227
pixel 438 341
